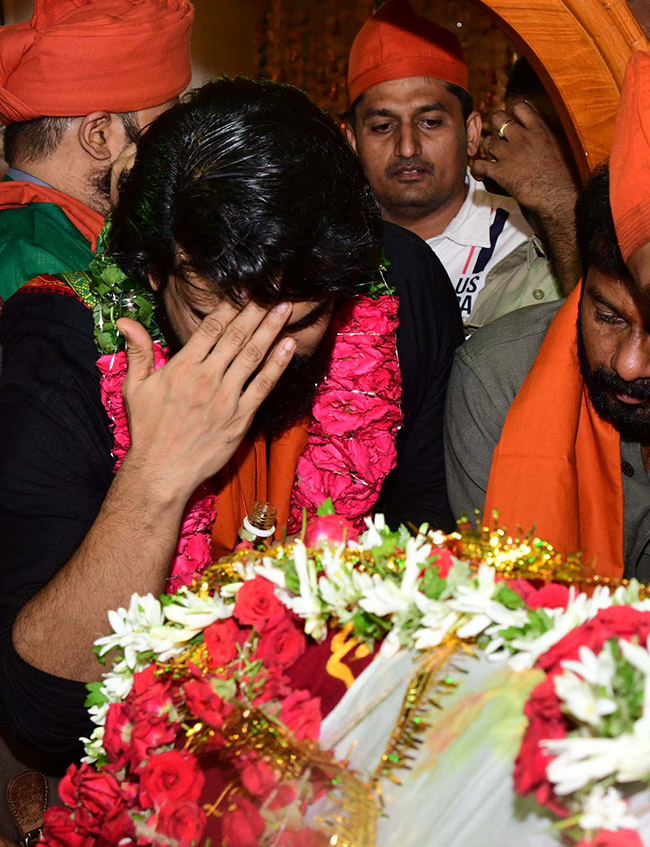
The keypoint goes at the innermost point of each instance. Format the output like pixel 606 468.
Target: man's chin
pixel 632 422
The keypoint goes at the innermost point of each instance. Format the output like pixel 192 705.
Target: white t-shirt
pixel 486 229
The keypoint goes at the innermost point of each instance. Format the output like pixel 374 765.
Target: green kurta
pixel 38 239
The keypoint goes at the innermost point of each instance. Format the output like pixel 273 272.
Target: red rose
pixel 61 830
pixel 182 821
pixel 332 528
pixel 149 694
pixel 281 646
pixel 545 720
pixel 116 826
pixel 551 596
pixel 148 734
pixel 258 778
pixel 97 791
pixel 615 622
pixel 205 703
pixel 301 713
pixel 256 604
pixel 442 560
pixel 283 797
pixel 221 641
pixel 117 733
pixel 607 838
pixel 242 826
pixel 303 838
pixel 172 776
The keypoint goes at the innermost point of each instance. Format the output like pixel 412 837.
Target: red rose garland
pixel 351 442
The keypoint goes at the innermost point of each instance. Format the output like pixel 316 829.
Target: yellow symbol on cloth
pixel 341 645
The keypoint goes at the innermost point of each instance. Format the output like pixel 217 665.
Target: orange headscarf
pixel 396 43
pixel 629 162
pixel 76 56
pixel 558 465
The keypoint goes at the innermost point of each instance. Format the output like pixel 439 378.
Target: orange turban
pixel 395 43
pixel 76 56
pixel 630 158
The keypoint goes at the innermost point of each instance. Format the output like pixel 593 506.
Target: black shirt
pixel 56 464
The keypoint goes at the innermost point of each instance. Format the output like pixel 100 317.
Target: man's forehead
pixel 415 92
pixel 620 293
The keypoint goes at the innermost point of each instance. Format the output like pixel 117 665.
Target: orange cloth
pixel 14 195
pixel 76 56
pixel 256 473
pixel 558 465
pixel 630 158
pixel 396 43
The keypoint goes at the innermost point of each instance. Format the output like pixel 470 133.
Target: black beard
pixel 632 422
pixel 293 397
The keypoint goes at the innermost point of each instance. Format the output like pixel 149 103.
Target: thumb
pixel 139 350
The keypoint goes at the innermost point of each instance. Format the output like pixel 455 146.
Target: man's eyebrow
pixel 389 113
pixel 311 317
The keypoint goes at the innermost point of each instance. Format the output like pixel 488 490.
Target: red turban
pixel 395 43
pixel 630 158
pixel 76 56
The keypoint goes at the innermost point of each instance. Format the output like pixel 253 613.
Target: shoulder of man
pixel 500 354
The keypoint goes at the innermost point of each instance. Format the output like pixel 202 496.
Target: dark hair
pixel 37 139
pixel 466 104
pixel 597 240
pixel 250 185
pixel 523 81
pixel 33 140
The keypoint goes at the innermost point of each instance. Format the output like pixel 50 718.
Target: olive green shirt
pixel 488 371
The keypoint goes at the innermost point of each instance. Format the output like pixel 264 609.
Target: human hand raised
pixel 527 160
pixel 187 418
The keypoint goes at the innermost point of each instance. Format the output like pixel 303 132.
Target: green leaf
pixel 433 584
pixel 326 508
pixel 96 696
pixel 112 275
pixel 508 597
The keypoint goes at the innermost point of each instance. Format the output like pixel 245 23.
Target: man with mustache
pixel 245 236
pixel 413 125
pixel 78 82
pixel 548 412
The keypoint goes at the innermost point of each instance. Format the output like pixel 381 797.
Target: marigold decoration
pixel 201 734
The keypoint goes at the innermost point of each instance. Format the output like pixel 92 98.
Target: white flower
pixel 598 669
pixel 384 598
pixel 606 809
pixel 94 746
pixel 131 628
pixel 639 657
pixel 308 605
pixel 581 700
pixel 195 613
pixel 372 536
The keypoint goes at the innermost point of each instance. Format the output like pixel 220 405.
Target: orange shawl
pixel 558 465
pixel 256 472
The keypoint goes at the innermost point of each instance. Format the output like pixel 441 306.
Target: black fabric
pixel 430 329
pixel 56 466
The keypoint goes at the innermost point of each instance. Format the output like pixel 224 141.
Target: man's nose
pixel 408 142
pixel 632 357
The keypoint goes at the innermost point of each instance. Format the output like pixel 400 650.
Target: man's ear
pixel 96 133
pixel 351 137
pixel 473 125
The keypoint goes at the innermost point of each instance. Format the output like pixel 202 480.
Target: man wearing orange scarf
pixel 77 83
pixel 548 412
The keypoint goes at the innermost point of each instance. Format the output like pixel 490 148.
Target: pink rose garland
pixel 356 416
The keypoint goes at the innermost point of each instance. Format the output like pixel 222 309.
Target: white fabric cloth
pixel 486 229
pixel 458 790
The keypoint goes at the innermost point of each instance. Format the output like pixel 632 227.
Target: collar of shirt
pixel 22 176
pixel 471 226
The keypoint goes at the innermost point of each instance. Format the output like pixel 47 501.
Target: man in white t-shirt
pixel 414 128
